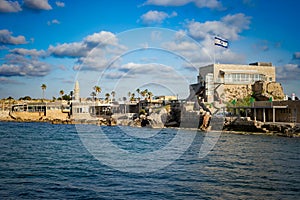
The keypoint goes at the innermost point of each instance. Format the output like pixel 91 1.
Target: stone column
pixel 274 115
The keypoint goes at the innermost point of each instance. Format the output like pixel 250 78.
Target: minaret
pixel 76 91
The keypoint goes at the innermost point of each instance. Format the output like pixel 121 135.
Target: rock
pixel 263 90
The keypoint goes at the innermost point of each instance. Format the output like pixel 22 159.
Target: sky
pixel 124 45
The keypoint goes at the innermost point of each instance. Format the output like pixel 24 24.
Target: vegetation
pixel 245 102
pixel 146 94
pixel 107 95
pixel 71 94
pixel 132 98
pixel 139 92
pixel 142 112
pixel 26 98
pixel 66 97
pixel 61 92
pixel 44 87
pixel 97 89
pixel 113 94
pixel 93 94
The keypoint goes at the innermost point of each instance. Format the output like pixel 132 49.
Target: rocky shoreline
pixel 243 126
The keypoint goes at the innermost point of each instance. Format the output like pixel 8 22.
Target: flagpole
pixel 219 42
pixel 214 49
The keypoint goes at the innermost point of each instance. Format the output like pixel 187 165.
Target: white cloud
pixel 95 60
pixel 229 27
pixel 116 75
pixel 73 50
pixel 213 4
pixel 38 4
pixel 7 38
pixel 81 49
pixel 94 52
pixel 28 52
pixel 18 65
pixel 54 21
pixel 32 68
pixel 288 72
pixel 139 68
pixel 9 6
pixel 101 38
pixel 200 53
pixel 156 17
pixel 181 46
pixel 60 4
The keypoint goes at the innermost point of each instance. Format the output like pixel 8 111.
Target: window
pixel 243 78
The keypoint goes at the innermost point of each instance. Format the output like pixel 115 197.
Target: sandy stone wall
pixel 56 114
pixel 38 116
pixel 236 92
pixel 4 115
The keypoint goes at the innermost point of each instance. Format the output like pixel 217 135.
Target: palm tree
pixel 71 94
pixel 138 91
pixel 97 89
pixel 44 87
pixel 113 94
pixel 144 93
pixel 61 92
pixel 93 94
pixel 150 94
pixel 107 95
pixel 132 97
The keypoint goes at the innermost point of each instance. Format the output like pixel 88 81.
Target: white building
pixel 222 79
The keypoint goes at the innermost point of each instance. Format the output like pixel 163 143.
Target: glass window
pixel 242 77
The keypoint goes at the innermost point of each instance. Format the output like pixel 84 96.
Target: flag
pixel 221 42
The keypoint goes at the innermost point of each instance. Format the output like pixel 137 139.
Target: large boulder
pixel 263 90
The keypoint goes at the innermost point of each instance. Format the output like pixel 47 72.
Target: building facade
pixel 276 111
pixel 230 81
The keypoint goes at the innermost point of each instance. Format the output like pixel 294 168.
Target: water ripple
pixel 49 161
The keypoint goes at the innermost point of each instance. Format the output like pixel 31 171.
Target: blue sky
pixel 154 44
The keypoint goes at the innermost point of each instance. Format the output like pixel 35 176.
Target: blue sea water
pixel 40 160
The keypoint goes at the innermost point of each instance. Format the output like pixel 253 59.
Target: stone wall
pixel 4 115
pixel 56 114
pixel 39 116
pixel 236 92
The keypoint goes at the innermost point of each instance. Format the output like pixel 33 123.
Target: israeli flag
pixel 220 42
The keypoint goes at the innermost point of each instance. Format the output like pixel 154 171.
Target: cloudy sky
pixel 130 44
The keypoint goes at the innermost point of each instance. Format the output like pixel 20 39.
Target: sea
pixel 46 161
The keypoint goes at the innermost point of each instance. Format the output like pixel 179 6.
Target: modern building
pixel 276 111
pixel 36 110
pixel 82 109
pixel 228 81
pixel 90 110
